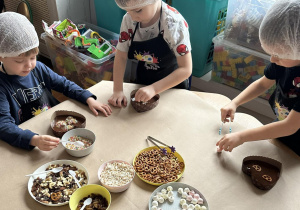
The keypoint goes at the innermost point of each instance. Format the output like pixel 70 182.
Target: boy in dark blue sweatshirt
pixel 26 84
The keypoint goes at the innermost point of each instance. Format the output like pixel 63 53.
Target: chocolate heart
pixel 144 106
pixel 264 171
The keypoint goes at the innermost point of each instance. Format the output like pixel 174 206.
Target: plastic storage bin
pixel 78 67
pixel 238 66
pixel 243 20
pixel 206 18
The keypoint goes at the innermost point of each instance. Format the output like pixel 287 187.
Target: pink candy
pixel 189 198
pixel 197 196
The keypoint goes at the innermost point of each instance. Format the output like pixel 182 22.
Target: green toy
pixel 101 51
pixel 81 42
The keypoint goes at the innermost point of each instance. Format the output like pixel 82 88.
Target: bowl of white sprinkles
pixel 116 175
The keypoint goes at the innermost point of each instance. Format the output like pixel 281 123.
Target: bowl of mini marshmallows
pixel 116 175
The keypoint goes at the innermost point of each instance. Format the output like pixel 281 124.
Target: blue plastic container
pixel 206 19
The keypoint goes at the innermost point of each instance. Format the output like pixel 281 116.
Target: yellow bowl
pixel 88 190
pixel 169 151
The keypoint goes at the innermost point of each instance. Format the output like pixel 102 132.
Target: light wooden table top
pixel 189 121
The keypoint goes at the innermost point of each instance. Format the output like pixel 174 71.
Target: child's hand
pixel 228 111
pixel 95 105
pixel 118 99
pixel 144 94
pixel 229 141
pixel 44 142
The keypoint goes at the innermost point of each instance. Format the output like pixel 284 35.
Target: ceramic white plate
pixel 175 205
pixel 43 168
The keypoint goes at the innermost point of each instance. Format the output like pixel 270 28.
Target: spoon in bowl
pixel 73 174
pixel 87 201
pixel 54 170
pixel 76 143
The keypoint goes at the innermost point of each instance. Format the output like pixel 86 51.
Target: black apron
pixel 155 60
pixel 279 97
pixel 44 102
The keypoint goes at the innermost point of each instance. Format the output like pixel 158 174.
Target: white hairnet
pixel 133 4
pixel 17 35
pixel 279 32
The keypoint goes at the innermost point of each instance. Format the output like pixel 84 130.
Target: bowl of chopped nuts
pixel 71 138
pixel 116 175
pixel 143 106
pixel 99 195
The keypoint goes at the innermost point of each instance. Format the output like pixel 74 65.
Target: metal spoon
pixel 54 170
pixel 86 202
pixel 76 143
pixel 73 174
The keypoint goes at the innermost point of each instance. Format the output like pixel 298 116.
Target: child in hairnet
pixel 26 84
pixel 157 37
pixel 279 35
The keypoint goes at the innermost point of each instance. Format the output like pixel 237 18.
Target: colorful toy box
pixel 238 66
pixel 82 68
pixel 243 21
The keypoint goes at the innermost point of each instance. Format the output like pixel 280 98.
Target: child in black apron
pixel 156 36
pixel 280 37
pixel 25 85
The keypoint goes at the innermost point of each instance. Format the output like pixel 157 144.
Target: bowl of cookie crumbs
pixel 116 175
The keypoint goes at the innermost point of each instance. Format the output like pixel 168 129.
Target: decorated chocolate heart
pixel 264 171
pixel 144 106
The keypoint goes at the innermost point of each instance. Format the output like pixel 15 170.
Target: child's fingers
pixel 125 101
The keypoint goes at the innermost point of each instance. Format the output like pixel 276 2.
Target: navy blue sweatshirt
pixel 25 89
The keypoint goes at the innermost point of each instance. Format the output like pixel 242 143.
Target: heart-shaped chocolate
pixel 264 171
pixel 144 106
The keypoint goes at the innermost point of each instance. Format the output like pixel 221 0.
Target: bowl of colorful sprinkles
pixel 116 175
pixel 63 121
pixel 100 197
pixel 83 135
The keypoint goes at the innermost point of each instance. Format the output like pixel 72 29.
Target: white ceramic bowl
pixel 83 132
pixel 43 168
pixel 115 189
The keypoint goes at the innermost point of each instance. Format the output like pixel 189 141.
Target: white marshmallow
pixel 191 206
pixel 186 190
pixel 169 188
pixel 182 201
pixel 163 191
pixel 155 198
pixel 180 190
pixel 154 203
pixel 171 199
pixel 184 206
pixel 184 195
pixel 197 207
pixel 194 201
pixel 154 208
pixel 161 200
